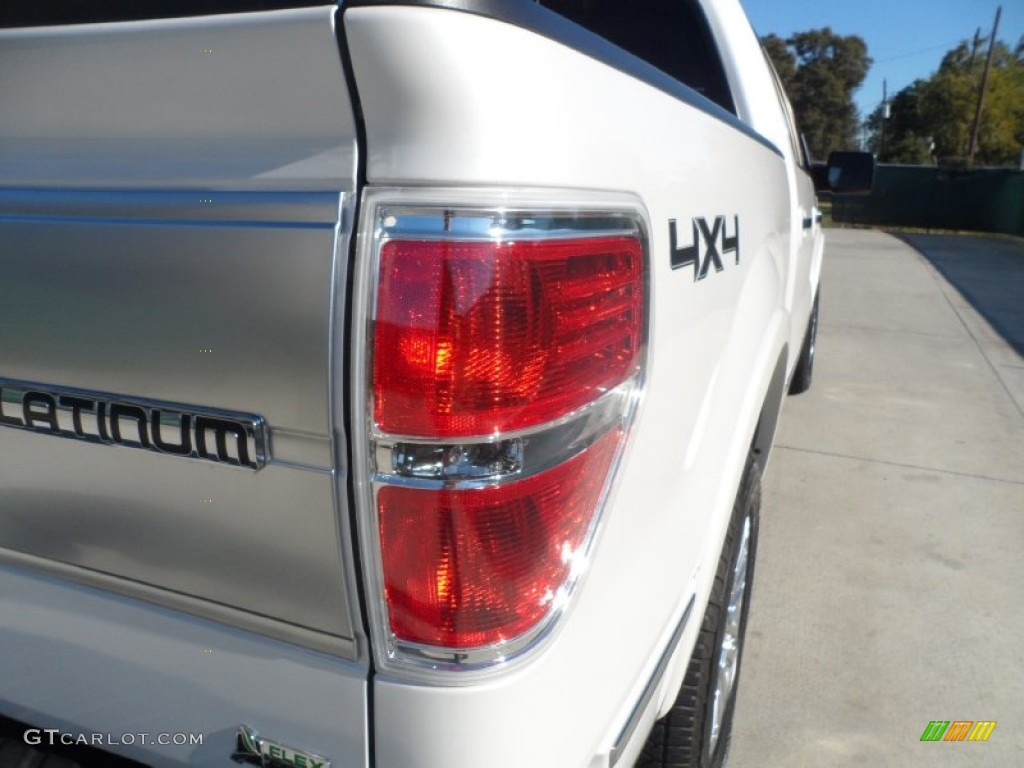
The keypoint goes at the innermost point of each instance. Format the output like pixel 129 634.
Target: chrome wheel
pixel 729 651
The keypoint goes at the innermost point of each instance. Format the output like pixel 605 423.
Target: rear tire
pixel 696 731
pixel 805 365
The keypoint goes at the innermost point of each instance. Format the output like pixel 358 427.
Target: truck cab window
pixel 672 35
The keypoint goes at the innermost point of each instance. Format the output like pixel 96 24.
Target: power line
pixel 946 46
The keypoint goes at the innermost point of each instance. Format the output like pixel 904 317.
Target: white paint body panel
pixel 455 99
pixel 449 99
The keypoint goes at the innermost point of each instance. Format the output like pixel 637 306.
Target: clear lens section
pixel 471 568
pixel 459 462
pixel 479 338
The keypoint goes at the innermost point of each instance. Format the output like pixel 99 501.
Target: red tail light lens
pixel 505 357
pixel 470 568
pixel 474 338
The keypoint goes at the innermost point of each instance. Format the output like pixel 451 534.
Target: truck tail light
pixel 476 338
pixel 505 352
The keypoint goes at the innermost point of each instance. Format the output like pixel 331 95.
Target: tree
pixel 904 137
pixel 820 70
pixel 941 110
pixel 1002 120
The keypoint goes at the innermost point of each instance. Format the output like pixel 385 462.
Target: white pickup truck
pixel 389 383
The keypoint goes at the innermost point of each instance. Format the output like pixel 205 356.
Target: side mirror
pixel 846 173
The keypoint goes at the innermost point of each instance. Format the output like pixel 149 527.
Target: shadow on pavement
pixel 988 271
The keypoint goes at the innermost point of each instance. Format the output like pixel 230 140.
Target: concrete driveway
pixel 890 577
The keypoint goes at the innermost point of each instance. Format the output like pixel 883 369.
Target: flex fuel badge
pixel 250 748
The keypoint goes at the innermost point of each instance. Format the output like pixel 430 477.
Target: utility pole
pixel 885 119
pixel 974 47
pixel 981 95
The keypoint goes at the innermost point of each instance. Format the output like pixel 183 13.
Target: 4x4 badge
pixel 708 236
pixel 250 748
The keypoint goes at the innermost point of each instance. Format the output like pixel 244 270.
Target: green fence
pixel 984 200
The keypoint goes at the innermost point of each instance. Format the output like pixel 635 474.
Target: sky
pixel 906 38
